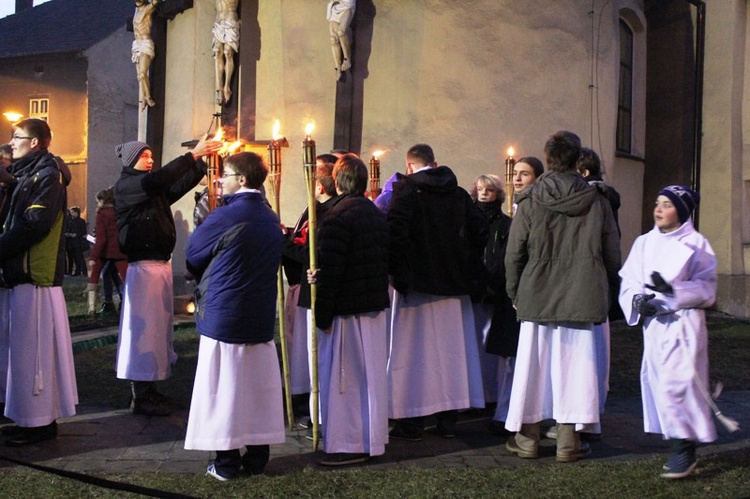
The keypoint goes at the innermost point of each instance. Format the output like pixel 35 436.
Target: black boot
pixel 26 436
pixel 108 308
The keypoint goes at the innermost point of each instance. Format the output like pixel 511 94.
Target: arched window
pixel 624 139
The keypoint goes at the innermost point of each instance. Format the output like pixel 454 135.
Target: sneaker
pixel 211 471
pixel 343 459
pixel 583 451
pixel 309 433
pixel 680 465
pixel 305 422
pixel 513 447
pixel 108 308
pixel 399 433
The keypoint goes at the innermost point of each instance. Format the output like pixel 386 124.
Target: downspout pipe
pixel 700 52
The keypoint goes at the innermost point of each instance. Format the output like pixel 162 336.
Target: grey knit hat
pixel 129 152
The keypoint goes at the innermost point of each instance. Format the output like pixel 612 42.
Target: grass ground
pixel 720 476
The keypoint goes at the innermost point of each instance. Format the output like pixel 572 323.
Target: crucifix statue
pixel 226 33
pixel 340 14
pixel 143 48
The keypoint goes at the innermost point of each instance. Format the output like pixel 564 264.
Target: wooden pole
pixel 309 163
pixel 274 157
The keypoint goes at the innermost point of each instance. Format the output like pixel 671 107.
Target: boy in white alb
pixel 667 281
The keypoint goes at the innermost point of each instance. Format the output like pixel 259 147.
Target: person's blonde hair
pixel 493 182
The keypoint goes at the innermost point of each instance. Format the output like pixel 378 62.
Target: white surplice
pixel 145 345
pixel 433 364
pixel 41 373
pixel 353 388
pixel 237 398
pixel 296 340
pixel 555 375
pixel 675 353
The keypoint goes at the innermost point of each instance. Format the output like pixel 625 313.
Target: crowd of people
pixel 430 300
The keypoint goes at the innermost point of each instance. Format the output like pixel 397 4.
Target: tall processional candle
pixel 274 177
pixel 375 189
pixel 309 157
pixel 510 163
pixel 213 173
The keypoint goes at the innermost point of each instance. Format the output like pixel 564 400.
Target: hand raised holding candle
pixel 205 147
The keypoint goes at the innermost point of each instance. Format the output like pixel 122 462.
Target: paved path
pixel 103 439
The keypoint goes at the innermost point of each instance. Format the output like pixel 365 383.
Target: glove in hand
pixel 642 305
pixel 660 285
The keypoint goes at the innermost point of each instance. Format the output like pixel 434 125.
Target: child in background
pixel 668 280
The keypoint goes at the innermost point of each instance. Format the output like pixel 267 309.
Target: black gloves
pixel 641 304
pixel 660 285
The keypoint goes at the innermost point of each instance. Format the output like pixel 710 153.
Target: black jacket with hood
pixel 437 234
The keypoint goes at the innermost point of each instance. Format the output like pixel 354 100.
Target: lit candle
pixel 510 163
pixel 375 174
pixel 274 151
pixel 213 172
pixel 308 145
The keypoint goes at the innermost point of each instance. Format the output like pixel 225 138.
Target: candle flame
pixel 12 116
pixel 234 146
pixel 377 154
pixel 511 151
pixel 275 133
pixel 219 134
pixel 309 128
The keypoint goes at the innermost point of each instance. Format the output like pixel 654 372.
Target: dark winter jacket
pixel 353 260
pixel 502 338
pixel 107 246
pixel 234 255
pixel 142 204
pixel 32 248
pixel 610 193
pixel 296 251
pixel 563 252
pixel 75 234
pixel 437 234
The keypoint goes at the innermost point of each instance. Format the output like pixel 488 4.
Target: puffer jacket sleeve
pixel 201 245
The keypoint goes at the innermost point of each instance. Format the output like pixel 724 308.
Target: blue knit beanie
pixel 683 199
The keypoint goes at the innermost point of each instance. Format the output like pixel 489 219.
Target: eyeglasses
pixel 18 137
pixel 225 175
